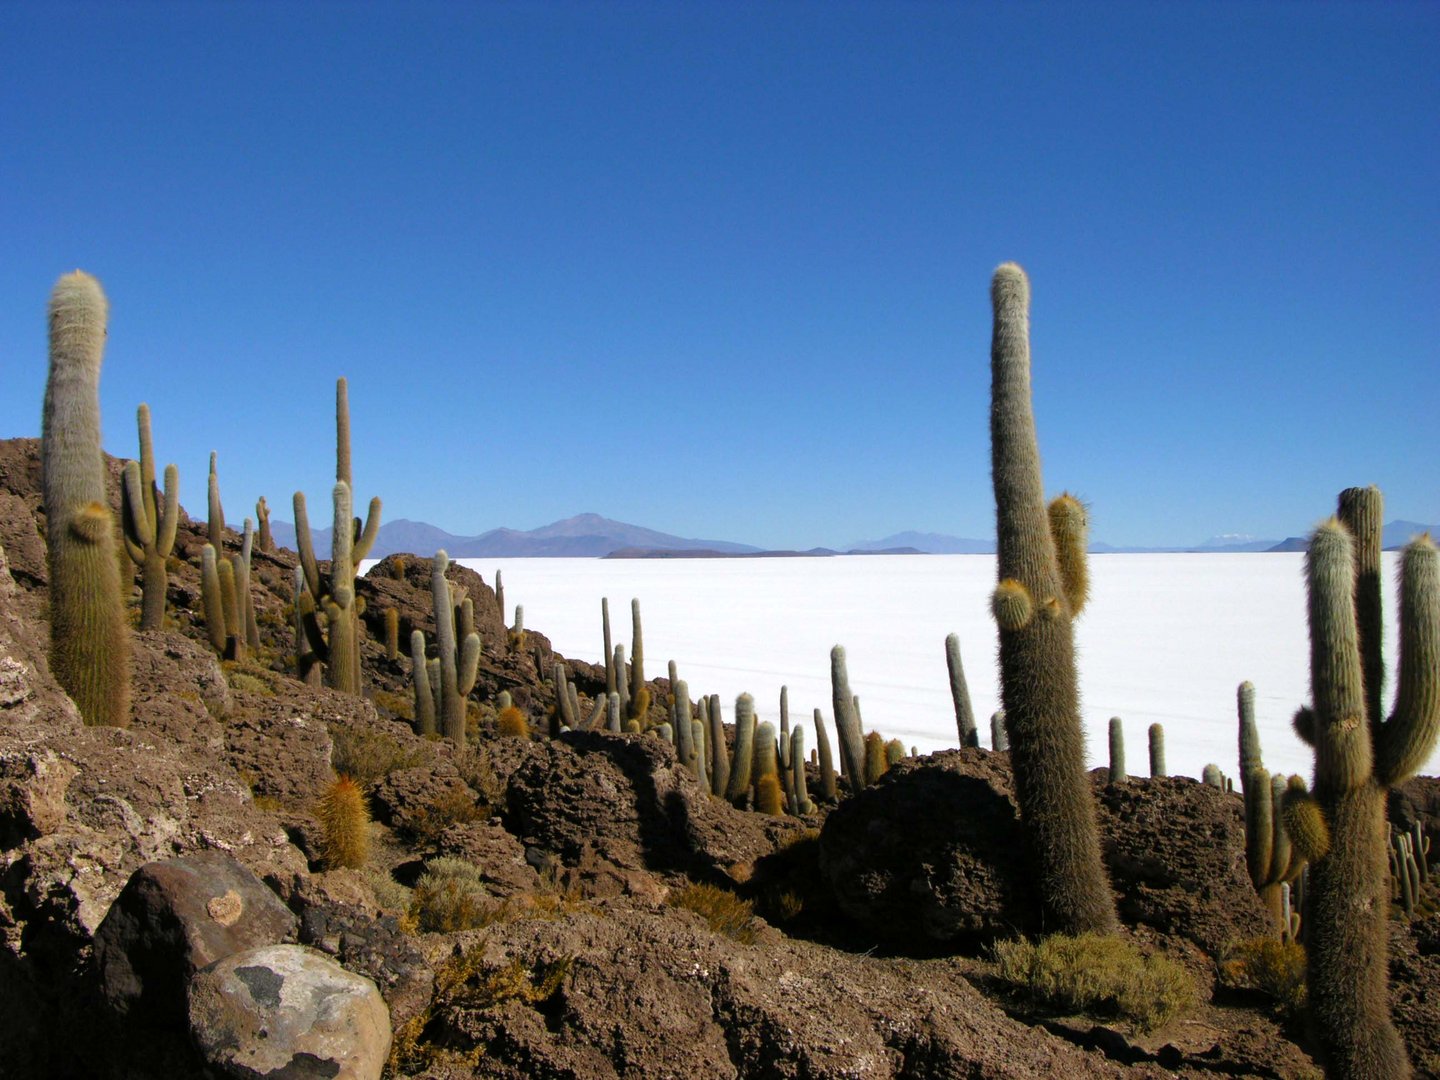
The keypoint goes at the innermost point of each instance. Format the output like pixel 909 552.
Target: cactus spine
pixel 89 641
pixel 1359 755
pixel 960 693
pixel 1041 590
pixel 150 521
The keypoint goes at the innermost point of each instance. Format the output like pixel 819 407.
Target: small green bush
pixel 1099 975
pixel 725 912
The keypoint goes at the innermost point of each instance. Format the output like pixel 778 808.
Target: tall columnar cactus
pixel 459 661
pixel 262 515
pixel 684 733
pixel 307 664
pixel 847 720
pixel 998 739
pixel 960 693
pixel 216 523
pixel 609 645
pixel 89 641
pixel 784 727
pixel 803 805
pixel 1041 557
pixel 743 762
pixel 1359 755
pixel 336 642
pixel 637 659
pixel 150 520
pixel 420 684
pixel 245 598
pixel 719 752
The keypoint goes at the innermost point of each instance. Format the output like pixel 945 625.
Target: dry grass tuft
pixel 1099 975
pixel 725 912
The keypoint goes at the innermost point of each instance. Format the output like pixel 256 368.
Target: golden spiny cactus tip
pixel 1011 605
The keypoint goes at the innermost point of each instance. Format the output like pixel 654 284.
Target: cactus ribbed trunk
pixel 1038 676
pixel 89 640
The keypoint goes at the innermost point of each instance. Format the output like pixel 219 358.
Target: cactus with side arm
pixel 1042 588
pixel 1359 756
pixel 150 519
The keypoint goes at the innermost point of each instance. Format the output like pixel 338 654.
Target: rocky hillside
pixel 572 906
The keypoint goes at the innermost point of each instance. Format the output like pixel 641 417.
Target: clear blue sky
pixel 722 269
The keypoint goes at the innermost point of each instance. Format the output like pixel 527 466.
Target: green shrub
pixel 1097 974
pixel 725 912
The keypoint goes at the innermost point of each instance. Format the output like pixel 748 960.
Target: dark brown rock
pixel 1175 849
pixel 376 948
pixel 495 853
pixel 409 798
pixel 627 799
pixel 173 918
pixel 932 853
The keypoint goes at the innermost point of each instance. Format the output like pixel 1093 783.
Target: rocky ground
pixel 162 886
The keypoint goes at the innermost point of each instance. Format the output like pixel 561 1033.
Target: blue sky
pixel 722 269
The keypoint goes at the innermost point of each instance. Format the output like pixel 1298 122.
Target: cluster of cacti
pixel 1273 861
pixel 1359 756
pixel 1213 776
pixel 150 519
pixel 226 599
pixel 1409 866
pixel 442 683
pixel 329 609
pixel 847 721
pixel 89 640
pixel 1042 588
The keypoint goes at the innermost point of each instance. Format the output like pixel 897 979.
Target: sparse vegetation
pixel 368 755
pixel 1097 974
pixel 1276 969
pixel 466 983
pixel 453 806
pixel 725 912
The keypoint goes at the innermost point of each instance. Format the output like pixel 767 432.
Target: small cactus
pixel 824 760
pixel 344 825
pixel 511 722
pixel 1157 750
pixel 960 694
pixel 1117 750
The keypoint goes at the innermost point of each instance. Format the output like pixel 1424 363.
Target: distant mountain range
pixel 582 536
pixel 593 536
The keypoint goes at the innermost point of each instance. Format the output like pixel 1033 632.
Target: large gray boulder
pixel 286 1010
